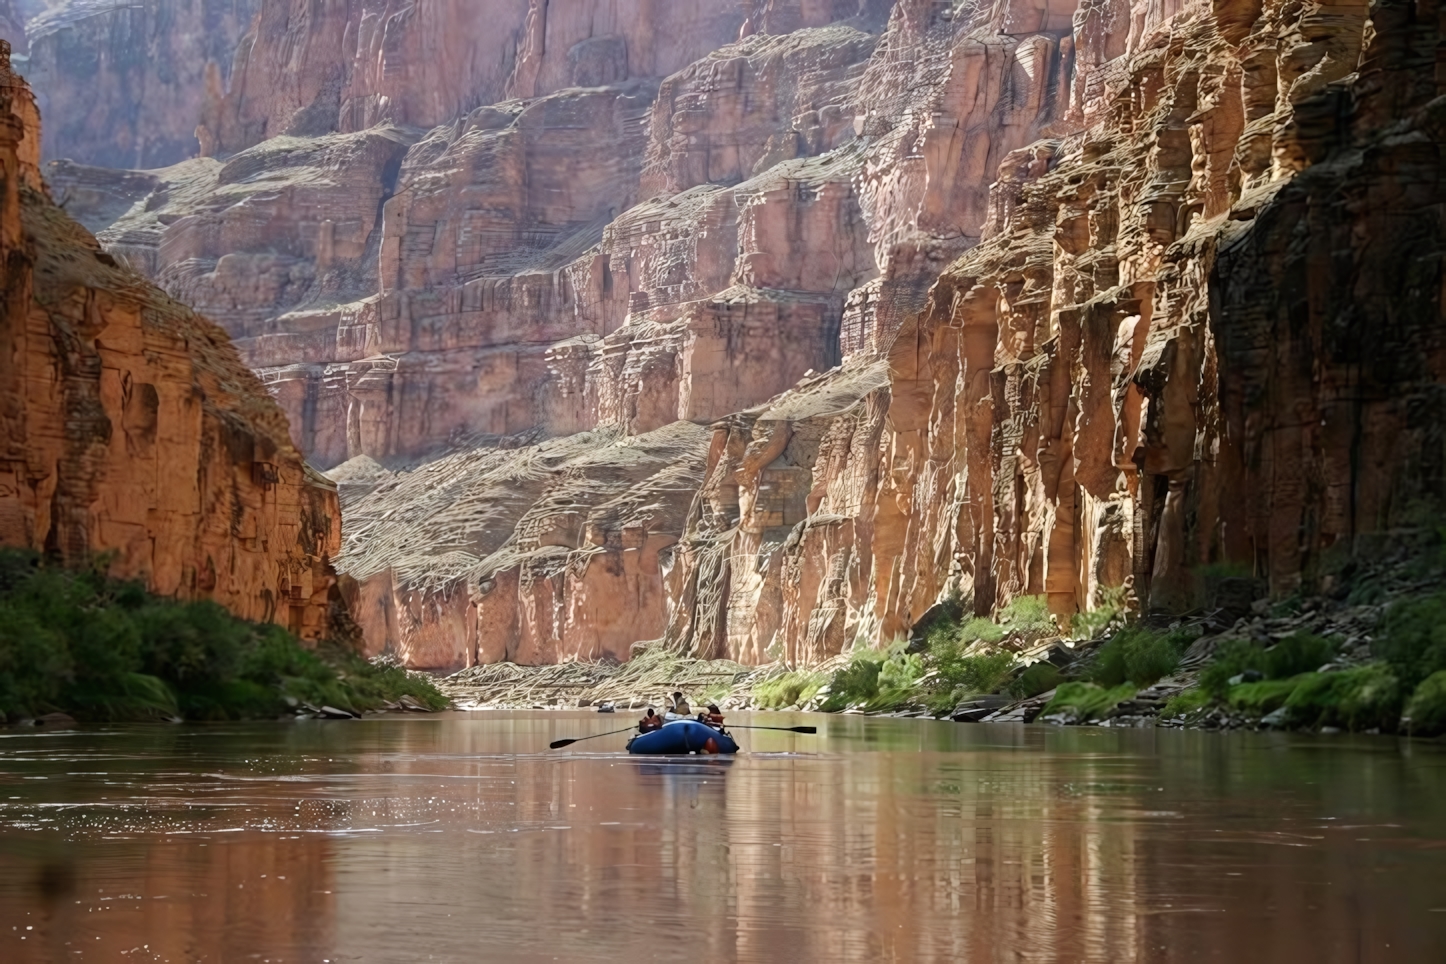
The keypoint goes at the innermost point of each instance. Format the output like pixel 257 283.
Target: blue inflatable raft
pixel 684 736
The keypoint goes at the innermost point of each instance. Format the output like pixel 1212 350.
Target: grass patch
pixel 1300 653
pixel 1186 702
pixel 1426 712
pixel 1077 702
pixel 789 690
pixel 1369 697
pixel 980 629
pixel 1263 696
pixel 104 649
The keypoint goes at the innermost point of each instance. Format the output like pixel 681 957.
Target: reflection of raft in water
pixel 684 736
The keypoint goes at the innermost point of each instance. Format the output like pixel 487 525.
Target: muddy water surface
pixel 461 837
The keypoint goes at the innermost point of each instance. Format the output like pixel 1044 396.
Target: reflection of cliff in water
pixel 463 838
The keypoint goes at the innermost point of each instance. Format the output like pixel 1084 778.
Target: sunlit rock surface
pixel 131 429
pixel 860 304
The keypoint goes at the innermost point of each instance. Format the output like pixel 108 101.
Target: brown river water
pixel 461 837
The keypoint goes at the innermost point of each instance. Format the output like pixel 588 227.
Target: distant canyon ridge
pixel 759 328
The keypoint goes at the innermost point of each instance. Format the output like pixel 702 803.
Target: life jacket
pixel 714 720
pixel 650 723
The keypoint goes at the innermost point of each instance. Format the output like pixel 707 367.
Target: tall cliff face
pixel 761 327
pixel 126 84
pixel 128 424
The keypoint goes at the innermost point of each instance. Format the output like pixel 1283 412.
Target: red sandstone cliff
pixel 1102 293
pixel 131 427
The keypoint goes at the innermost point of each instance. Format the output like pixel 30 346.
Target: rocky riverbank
pixel 1362 655
pixel 646 680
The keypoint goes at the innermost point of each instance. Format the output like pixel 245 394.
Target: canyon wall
pixel 126 84
pixel 760 328
pixel 130 426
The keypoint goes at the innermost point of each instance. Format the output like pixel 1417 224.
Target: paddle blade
pixel 804 729
pixel 559 744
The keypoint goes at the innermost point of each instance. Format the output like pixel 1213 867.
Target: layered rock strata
pixel 131 429
pixel 1189 341
pixel 1104 295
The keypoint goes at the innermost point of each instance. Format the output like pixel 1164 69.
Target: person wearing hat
pixel 651 721
pixel 680 705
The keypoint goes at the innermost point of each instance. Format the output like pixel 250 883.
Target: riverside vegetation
pixel 1366 654
pixel 100 649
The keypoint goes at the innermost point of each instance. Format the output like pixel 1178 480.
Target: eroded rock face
pixel 130 425
pixel 530 553
pixel 1178 347
pixel 1103 294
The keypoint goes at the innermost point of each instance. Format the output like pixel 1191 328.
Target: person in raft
pixel 651 721
pixel 713 718
pixel 680 707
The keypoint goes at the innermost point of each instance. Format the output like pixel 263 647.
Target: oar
pixel 785 729
pixel 559 744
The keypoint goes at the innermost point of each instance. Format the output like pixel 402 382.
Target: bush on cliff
pixel 104 649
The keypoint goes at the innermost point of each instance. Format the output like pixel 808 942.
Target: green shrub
pixel 981 628
pixel 981 673
pixel 791 689
pixel 1028 615
pixel 1357 699
pixel 1414 640
pixel 1231 659
pixel 1186 702
pixel 103 649
pixel 1086 701
pixel 1037 678
pixel 1426 712
pixel 856 682
pixel 1087 625
pixel 1296 654
pixel 1137 655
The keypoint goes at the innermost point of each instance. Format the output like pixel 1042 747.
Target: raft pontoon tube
pixel 684 736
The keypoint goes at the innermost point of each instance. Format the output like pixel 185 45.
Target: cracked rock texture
pixel 761 327
pixel 130 426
